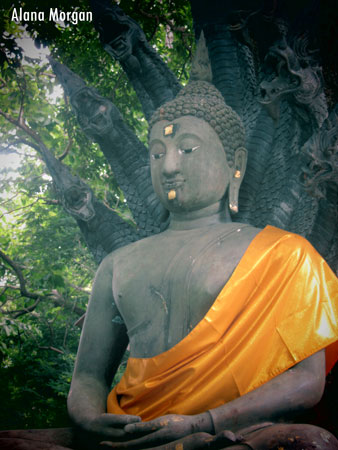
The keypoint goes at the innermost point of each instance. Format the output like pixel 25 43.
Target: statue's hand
pixel 161 430
pixel 110 426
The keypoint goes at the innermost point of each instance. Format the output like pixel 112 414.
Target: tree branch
pixel 22 86
pixel 49 75
pixel 29 144
pixel 165 20
pixel 20 312
pixel 17 269
pixel 21 124
pixel 3 83
pixel 21 118
pixel 9 199
pixel 46 200
pixel 55 297
pixel 51 348
pixel 80 321
pixel 59 300
pixel 16 142
pixel 3 290
pixel 19 208
pixel 117 85
pixel 80 289
pixel 68 147
pixel 49 201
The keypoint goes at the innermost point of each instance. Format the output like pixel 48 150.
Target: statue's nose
pixel 171 163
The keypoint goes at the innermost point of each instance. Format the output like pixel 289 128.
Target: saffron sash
pixel 279 307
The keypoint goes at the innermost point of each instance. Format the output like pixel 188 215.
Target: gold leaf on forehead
pixel 169 129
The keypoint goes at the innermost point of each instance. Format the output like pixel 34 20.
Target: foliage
pixel 37 381
pixel 37 349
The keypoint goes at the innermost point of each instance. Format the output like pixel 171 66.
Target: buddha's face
pixel 189 169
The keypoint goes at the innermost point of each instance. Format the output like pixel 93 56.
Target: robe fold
pixel 279 307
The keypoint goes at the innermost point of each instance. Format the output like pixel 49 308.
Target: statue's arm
pixel 295 390
pixel 102 344
pixel 286 395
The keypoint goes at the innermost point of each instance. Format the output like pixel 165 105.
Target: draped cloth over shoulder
pixel 279 307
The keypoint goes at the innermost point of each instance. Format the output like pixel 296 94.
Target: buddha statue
pixel 228 325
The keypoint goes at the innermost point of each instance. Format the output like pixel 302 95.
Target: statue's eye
pixel 185 151
pixel 157 155
pixel 157 150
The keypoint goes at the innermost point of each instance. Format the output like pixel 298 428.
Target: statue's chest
pixel 170 288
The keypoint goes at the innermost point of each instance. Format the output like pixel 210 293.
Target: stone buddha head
pixel 197 152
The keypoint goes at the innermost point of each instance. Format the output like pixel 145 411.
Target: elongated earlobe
pixel 237 177
pixel 233 199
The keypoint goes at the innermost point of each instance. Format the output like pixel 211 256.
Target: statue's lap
pixel 259 437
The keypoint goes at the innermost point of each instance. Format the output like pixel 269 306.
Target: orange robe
pixel 279 307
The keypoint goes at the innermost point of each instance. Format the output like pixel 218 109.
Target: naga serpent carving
pixel 281 102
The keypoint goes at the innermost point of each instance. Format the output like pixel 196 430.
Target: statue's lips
pixel 172 184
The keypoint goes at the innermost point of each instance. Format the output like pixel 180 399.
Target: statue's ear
pixel 237 174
